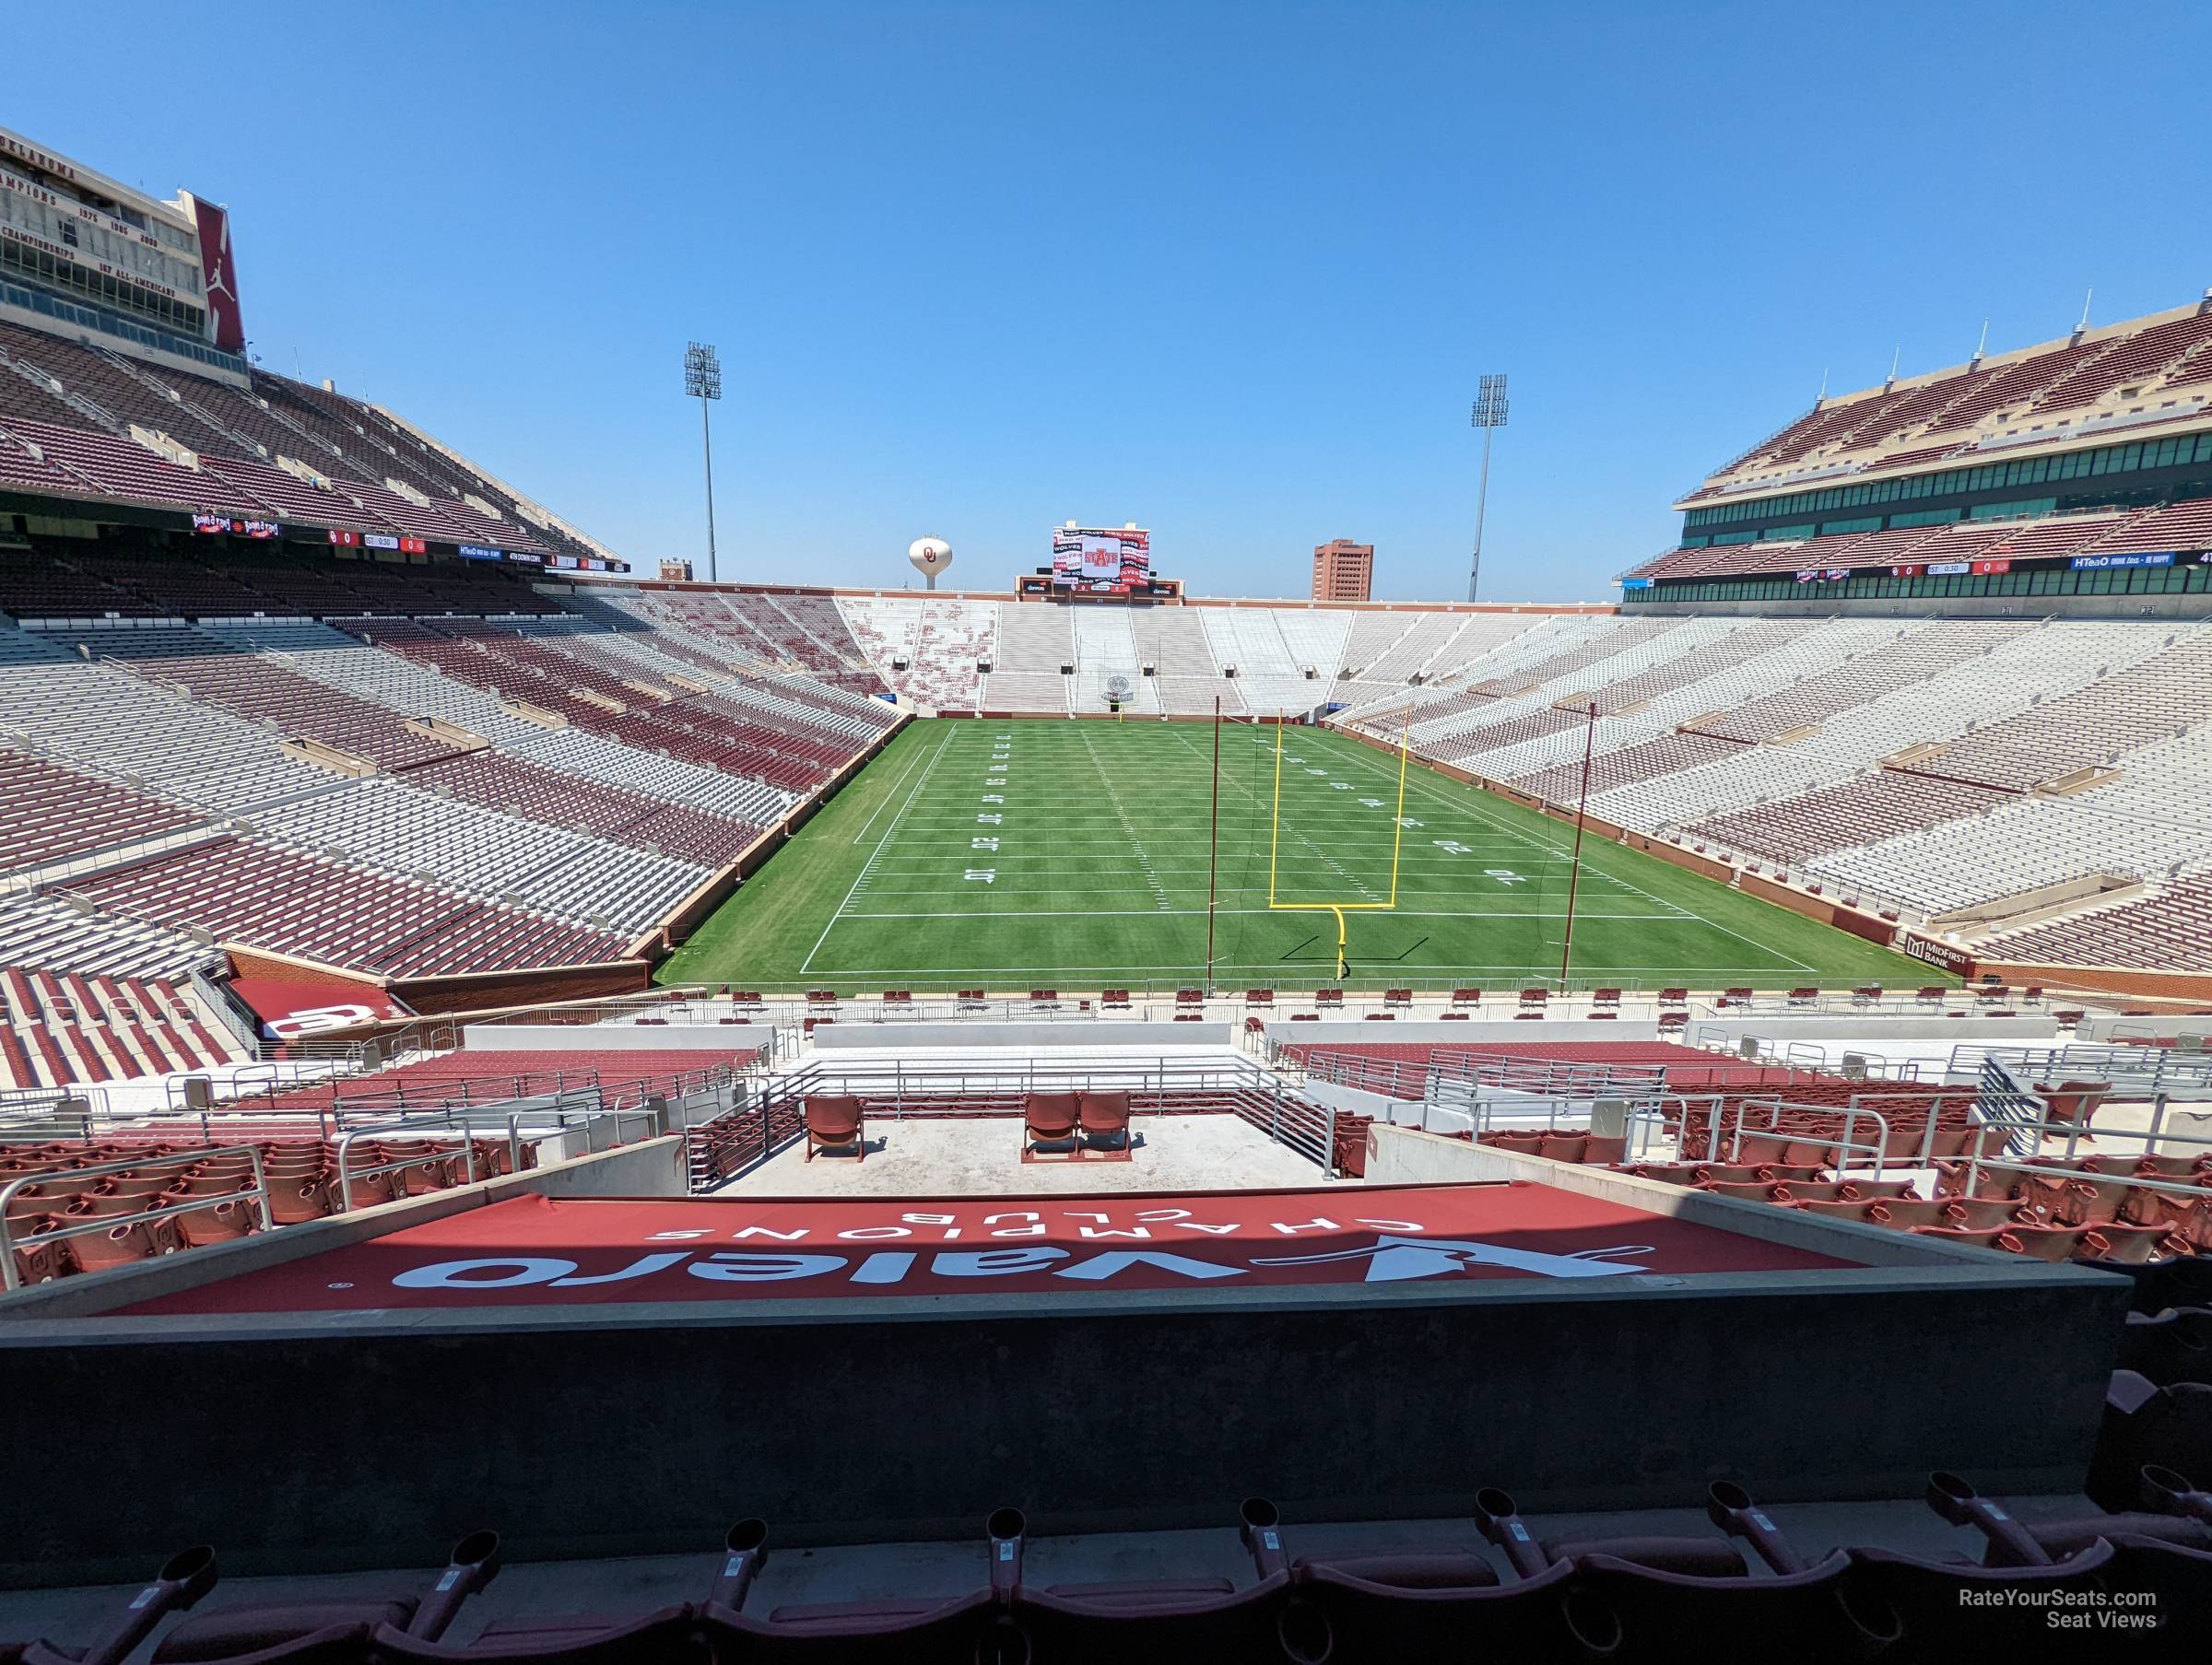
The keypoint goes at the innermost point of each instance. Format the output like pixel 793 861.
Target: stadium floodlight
pixel 702 381
pixel 1489 414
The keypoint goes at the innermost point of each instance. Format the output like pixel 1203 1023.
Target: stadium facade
pixel 2070 477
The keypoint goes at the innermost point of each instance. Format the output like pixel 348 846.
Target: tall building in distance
pixel 1343 570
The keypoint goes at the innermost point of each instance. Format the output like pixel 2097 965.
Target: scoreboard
pixel 1100 560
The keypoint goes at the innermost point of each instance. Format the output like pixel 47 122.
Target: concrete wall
pixel 374 1440
pixel 608 1037
pixel 1843 1026
pixel 1475 1032
pixel 1073 1032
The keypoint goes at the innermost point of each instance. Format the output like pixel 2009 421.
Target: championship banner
pixel 537 1251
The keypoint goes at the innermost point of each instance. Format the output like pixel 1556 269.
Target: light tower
pixel 702 381
pixel 1489 414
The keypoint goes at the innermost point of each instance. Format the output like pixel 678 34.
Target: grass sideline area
pixel 1010 855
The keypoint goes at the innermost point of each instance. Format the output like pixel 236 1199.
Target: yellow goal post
pixel 1338 909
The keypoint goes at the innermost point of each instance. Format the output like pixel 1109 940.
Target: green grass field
pixel 1075 854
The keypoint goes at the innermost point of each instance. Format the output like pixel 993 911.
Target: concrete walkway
pixel 980 1156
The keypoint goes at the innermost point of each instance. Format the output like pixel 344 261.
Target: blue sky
pixel 1230 271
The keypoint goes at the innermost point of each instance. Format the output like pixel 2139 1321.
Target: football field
pixel 1011 854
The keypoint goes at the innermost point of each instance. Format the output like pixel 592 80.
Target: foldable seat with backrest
pixel 1050 1118
pixel 231 1632
pixel 2118 1241
pixel 39 1261
pixel 835 1121
pixel 2075 1103
pixel 118 1246
pixel 1103 1117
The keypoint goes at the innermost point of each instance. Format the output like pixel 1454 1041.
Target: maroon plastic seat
pixel 835 1121
pixel 1696 1557
pixel 1049 1117
pixel 1164 1592
pixel 226 1635
pixel 1408 1569
pixel 1105 1116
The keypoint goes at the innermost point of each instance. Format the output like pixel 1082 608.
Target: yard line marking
pixel 1148 913
pixel 1675 907
pixel 1327 861
pixel 912 762
pixel 861 876
pixel 1158 890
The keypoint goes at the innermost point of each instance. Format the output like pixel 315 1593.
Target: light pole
pixel 702 381
pixel 1489 414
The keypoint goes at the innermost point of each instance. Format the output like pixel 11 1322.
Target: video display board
pixel 1101 560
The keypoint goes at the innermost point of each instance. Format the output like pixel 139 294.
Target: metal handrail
pixel 2159 1069
pixel 567 1109
pixel 1850 1113
pixel 10 1279
pixel 346 1174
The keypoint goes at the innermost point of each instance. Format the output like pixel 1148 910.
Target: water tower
pixel 930 556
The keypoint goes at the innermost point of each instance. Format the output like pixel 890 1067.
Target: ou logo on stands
pixel 317 1020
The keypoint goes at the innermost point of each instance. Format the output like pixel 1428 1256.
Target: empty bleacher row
pixel 54 1220
pixel 2085 532
pixel 1928 767
pixel 1730 1579
pixel 799 631
pixel 530 788
pixel 280 448
pixel 61 1026
pixel 2144 370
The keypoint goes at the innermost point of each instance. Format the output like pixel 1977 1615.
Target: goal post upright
pixel 1338 909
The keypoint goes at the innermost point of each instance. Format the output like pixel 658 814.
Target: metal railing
pixel 2195 1191
pixel 898 1090
pixel 1871 1153
pixel 9 1277
pixel 1458 1068
pixel 377 1104
pixel 2145 1069
pixel 218 1003
pixel 466 1148
pixel 523 1126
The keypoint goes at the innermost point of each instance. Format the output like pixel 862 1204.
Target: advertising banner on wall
pixel 538 1251
pixel 218 267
